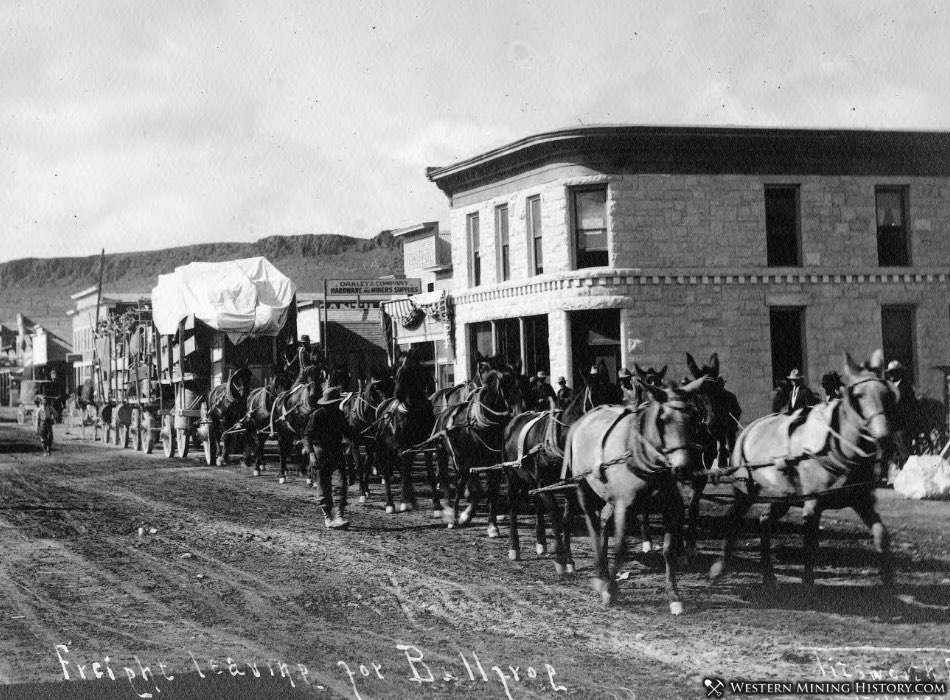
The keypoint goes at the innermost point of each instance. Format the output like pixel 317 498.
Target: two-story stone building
pixel 776 248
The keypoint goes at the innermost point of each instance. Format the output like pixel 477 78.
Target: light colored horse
pixel 623 458
pixel 824 462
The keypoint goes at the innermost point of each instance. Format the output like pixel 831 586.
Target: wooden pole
pixel 326 311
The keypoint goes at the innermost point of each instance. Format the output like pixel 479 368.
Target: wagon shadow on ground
pixel 16 447
pixel 907 604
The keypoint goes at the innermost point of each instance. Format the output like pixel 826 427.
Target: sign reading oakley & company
pixel 380 287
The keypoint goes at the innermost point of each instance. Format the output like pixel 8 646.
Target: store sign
pixel 374 287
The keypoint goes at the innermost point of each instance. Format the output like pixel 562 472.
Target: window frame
pixel 913 361
pixel 576 249
pixel 795 188
pixel 473 236
pixel 903 191
pixel 503 242
pixel 534 240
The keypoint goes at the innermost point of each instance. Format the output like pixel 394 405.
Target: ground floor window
pixel 897 332
pixel 595 337
pixel 508 339
pixel 480 339
pixel 787 334
pixel 537 345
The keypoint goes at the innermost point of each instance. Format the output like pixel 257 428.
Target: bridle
pixel 855 406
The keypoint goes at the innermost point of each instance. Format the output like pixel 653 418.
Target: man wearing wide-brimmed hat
pixel 563 392
pixel 544 396
pixel 799 395
pixel 323 441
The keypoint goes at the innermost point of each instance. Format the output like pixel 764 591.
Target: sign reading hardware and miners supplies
pixel 374 287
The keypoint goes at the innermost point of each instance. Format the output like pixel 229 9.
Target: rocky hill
pixel 40 287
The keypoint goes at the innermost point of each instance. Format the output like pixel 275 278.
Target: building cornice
pixel 634 277
pixel 715 150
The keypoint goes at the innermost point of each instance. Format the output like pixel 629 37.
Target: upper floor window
pixel 534 235
pixel 892 243
pixel 781 226
pixel 590 226
pixel 473 246
pixel 502 242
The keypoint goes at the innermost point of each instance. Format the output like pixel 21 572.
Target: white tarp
pixel 244 298
pixel 924 477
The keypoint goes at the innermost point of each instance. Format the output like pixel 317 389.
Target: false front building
pixel 776 248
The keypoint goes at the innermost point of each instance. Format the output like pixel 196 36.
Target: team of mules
pixel 613 458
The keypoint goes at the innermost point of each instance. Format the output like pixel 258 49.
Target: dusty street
pixel 233 574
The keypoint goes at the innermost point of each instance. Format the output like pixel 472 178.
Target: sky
pixel 142 125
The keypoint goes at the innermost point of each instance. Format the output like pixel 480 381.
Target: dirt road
pixel 233 575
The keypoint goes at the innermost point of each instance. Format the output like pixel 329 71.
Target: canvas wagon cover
pixel 243 298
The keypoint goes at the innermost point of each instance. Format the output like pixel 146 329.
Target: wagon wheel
pixel 21 416
pixel 148 440
pixel 182 438
pixel 210 444
pixel 137 430
pixel 168 436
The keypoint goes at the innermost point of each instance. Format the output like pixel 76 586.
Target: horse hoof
pixel 436 514
pixel 464 518
pixel 514 555
pixel 676 607
pixel 390 509
pixel 492 531
pixel 717 569
pixel 256 472
pixel 362 499
pixel 540 549
pixel 569 567
pixel 309 482
pixel 220 461
pixel 647 547
pixel 561 570
pixel 405 507
pixel 281 480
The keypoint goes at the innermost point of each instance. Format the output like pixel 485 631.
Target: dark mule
pixel 718 412
pixel 473 435
pixel 535 441
pixel 402 423
pixel 227 406
pixel 822 462
pixel 290 414
pixel 602 390
pixel 360 409
pixel 258 422
pixel 622 458
pixel 649 376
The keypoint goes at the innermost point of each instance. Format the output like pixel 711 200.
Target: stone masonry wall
pixel 694 222
pixel 662 226
pixel 661 319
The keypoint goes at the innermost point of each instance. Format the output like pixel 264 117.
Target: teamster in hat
pixel 323 441
pixel 544 395
pixel 799 395
pixel 563 392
